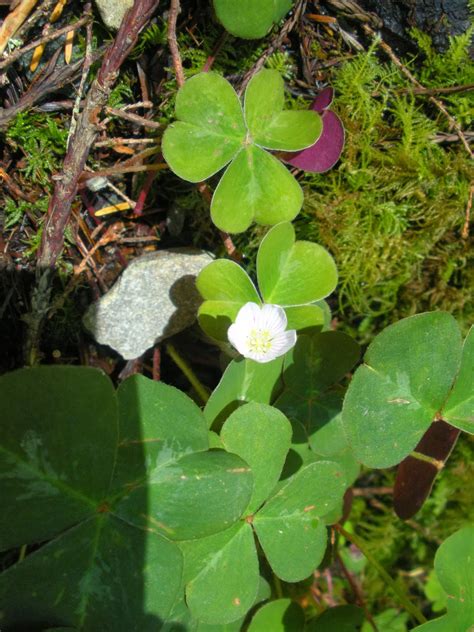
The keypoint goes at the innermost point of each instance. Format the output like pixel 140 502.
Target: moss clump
pixel 393 211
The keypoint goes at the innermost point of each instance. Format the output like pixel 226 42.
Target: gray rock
pixel 154 298
pixel 112 11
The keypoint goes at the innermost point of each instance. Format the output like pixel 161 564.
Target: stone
pixel 154 298
pixel 112 11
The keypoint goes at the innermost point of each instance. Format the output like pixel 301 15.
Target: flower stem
pixel 402 597
pixel 180 362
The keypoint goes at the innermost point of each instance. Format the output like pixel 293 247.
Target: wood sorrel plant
pixel 136 510
pixel 213 131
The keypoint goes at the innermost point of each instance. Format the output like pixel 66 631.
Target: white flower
pixel 259 332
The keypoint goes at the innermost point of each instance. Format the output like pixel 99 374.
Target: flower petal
pixel 248 316
pixel 238 338
pixel 272 318
pixel 283 342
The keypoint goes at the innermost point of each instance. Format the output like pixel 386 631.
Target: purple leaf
pixel 323 100
pixel 327 150
pixel 415 477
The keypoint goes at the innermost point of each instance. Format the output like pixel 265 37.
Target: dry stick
pixel 85 71
pixel 465 230
pixel 87 129
pixel 59 211
pixel 288 26
pixel 356 589
pixel 16 54
pixel 133 118
pixel 385 47
pixel 175 8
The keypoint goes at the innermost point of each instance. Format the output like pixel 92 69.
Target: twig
pixel 371 491
pixel 288 26
pixel 441 107
pixel 19 52
pixel 59 211
pixel 432 91
pixel 156 371
pixel 133 118
pixel 87 128
pixel 465 229
pixel 113 171
pixel 212 57
pixel 110 142
pixel 38 14
pixel 175 8
pixel 443 137
pixel 85 72
pixel 356 589
pixel 402 596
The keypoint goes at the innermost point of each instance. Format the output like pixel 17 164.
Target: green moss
pixel 393 210
pixel 41 139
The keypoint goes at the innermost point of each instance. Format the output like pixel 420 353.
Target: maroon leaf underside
pixel 323 100
pixel 326 151
pixel 415 478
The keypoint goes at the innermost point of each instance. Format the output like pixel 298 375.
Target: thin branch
pixel 133 118
pixel 85 71
pixel 87 129
pixel 357 590
pixel 175 8
pixel 465 229
pixel 288 26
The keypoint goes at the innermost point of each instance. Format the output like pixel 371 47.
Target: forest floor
pixel 395 212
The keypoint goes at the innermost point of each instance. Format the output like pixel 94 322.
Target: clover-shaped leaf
pixel 221 574
pixel 409 380
pixel 109 479
pixel 261 435
pixel 212 131
pixel 250 19
pixel 294 274
pixel 455 570
pixel 289 525
pixel 281 615
pixel 287 517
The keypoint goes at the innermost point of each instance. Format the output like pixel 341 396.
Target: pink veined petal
pixel 283 342
pixel 273 318
pixel 248 316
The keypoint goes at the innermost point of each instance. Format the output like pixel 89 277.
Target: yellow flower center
pixel 259 341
